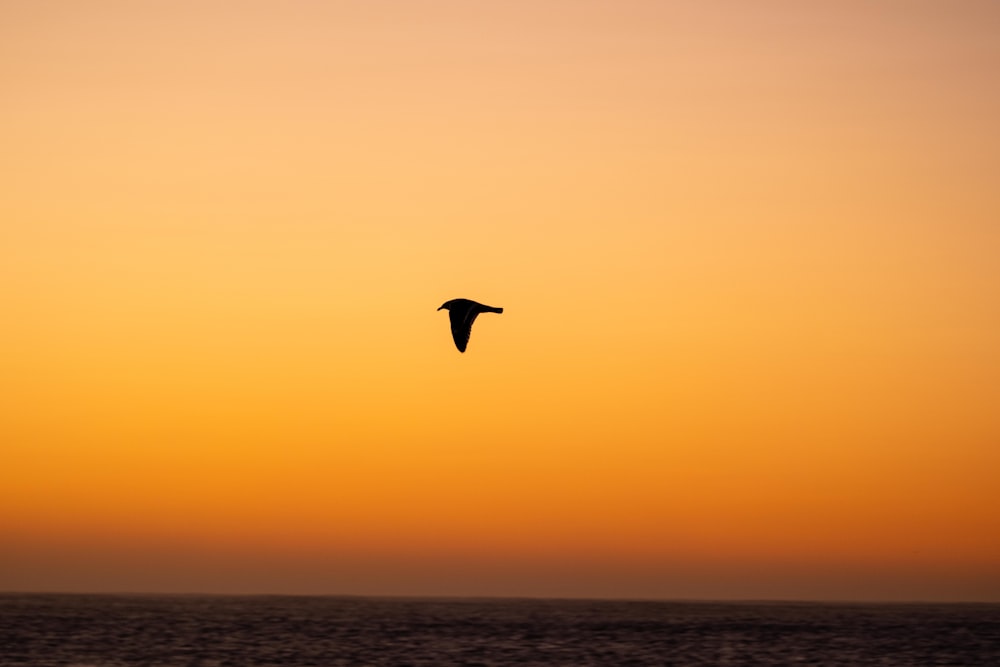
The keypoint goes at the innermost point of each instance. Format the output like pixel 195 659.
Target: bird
pixel 462 313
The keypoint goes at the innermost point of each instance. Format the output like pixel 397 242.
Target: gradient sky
pixel 749 255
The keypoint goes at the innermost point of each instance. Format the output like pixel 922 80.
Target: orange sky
pixel 749 255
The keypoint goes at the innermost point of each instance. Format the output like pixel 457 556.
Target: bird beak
pixel 441 307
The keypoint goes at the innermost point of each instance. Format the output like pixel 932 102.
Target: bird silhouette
pixel 462 313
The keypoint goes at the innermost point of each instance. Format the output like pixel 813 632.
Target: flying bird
pixel 462 313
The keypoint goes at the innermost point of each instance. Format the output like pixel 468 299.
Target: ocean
pixel 45 630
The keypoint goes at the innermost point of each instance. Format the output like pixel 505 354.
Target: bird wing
pixel 461 325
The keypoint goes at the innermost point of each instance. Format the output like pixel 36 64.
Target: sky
pixel 748 255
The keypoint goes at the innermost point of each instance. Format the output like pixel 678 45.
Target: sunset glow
pixel 748 255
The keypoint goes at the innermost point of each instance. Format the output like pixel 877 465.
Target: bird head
pixel 445 306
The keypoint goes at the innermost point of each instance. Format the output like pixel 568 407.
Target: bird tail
pixel 496 310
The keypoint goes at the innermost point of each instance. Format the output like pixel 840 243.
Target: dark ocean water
pixel 210 631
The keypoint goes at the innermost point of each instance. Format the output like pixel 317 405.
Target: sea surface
pixel 220 631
